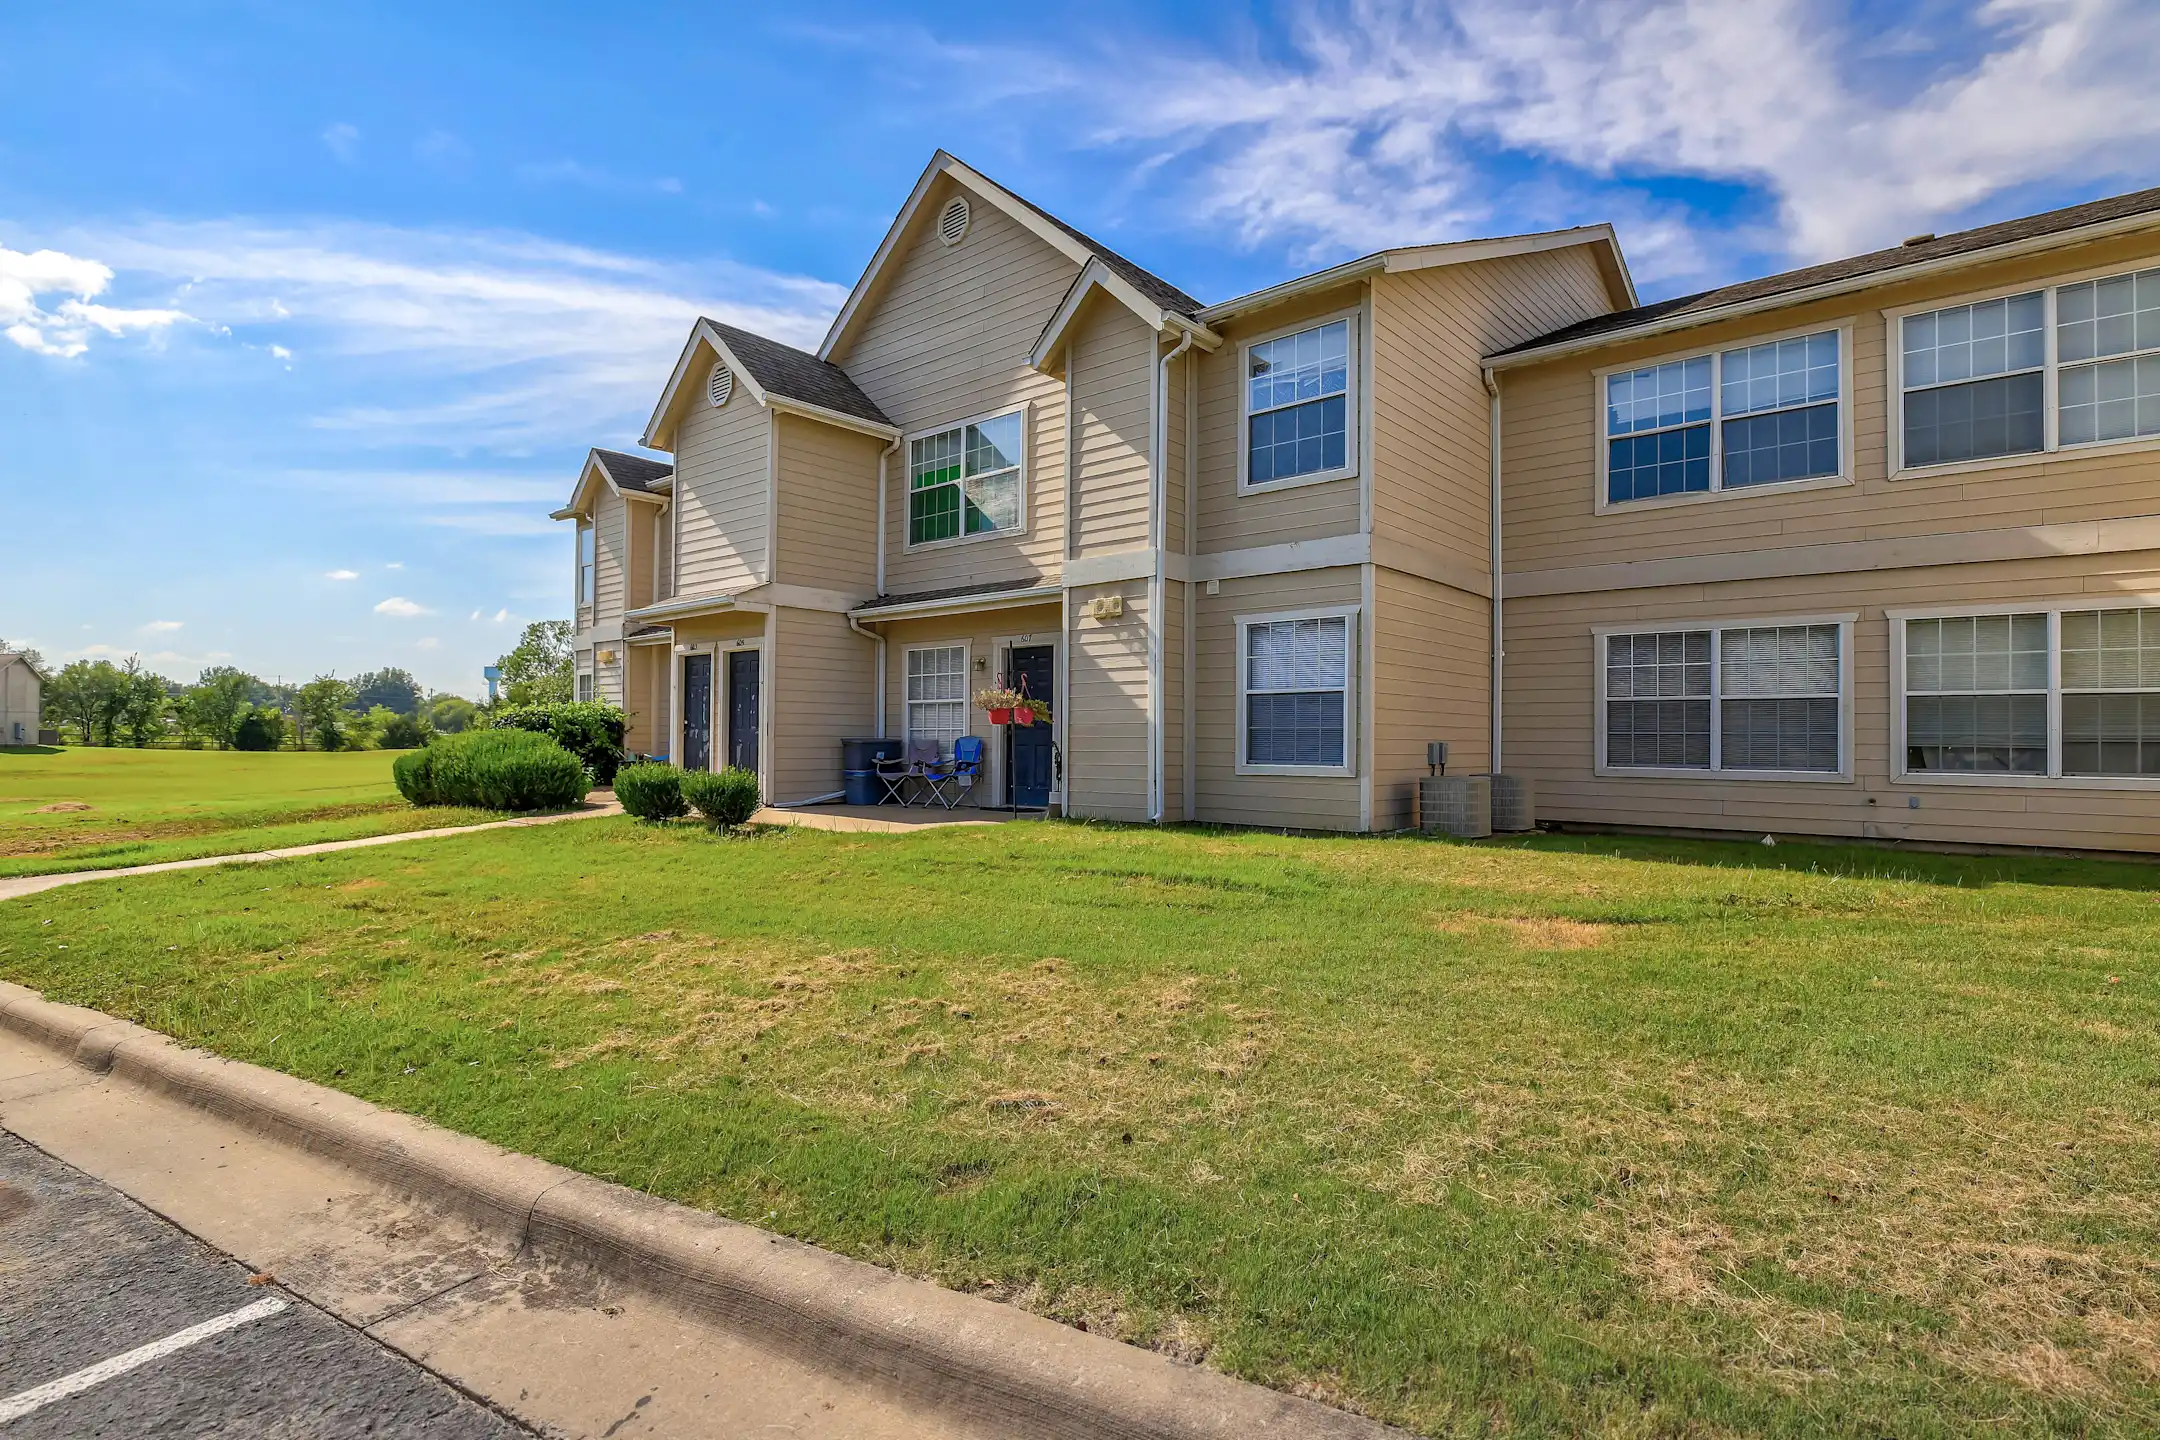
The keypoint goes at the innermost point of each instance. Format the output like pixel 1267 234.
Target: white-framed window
pixel 1300 406
pixel 968 480
pixel 2031 372
pixel 1768 413
pixel 2022 694
pixel 1754 699
pixel 1297 692
pixel 584 669
pixel 584 565
pixel 937 694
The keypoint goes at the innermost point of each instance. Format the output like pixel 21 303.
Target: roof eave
pixel 1095 275
pixel 960 604
pixel 862 425
pixel 700 331
pixel 1783 299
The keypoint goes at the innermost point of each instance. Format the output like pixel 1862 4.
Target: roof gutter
pixel 840 418
pixel 1829 289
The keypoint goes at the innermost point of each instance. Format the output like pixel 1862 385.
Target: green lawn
pixel 91 809
pixel 1624 1137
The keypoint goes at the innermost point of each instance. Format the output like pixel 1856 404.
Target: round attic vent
pixel 952 221
pixel 720 386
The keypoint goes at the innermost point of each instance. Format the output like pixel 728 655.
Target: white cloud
pixel 429 642
pixel 1388 122
pixel 341 574
pixel 394 565
pixel 445 336
pixel 343 140
pixel 399 606
pixel 160 627
pixel 64 330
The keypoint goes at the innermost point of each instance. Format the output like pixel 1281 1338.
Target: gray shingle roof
pixel 1875 262
pixel 953 592
pixel 1157 289
pixel 796 375
pixel 633 472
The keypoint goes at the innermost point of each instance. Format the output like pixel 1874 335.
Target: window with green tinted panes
pixel 965 481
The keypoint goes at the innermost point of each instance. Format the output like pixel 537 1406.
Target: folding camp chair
pixel 949 781
pixel 896 774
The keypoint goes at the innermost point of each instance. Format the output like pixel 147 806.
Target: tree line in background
pixel 97 702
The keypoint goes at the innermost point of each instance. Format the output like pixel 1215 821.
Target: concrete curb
pixel 989 1363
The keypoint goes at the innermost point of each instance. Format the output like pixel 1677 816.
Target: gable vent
pixel 952 221
pixel 720 386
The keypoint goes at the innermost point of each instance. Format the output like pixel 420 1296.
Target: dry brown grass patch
pixel 1530 932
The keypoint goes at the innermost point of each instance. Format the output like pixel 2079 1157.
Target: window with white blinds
pixel 2045 692
pixel 1295 683
pixel 1763 699
pixel 937 698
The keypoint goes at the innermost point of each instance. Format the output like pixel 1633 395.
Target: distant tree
pixel 391 688
pixel 28 652
pixel 450 714
pixel 214 706
pixel 320 707
pixel 83 696
pixel 140 704
pixel 398 732
pixel 262 728
pixel 540 670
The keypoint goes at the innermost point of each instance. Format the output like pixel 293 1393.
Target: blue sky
pixel 307 311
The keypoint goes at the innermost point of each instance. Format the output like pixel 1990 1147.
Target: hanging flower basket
pixel 999 701
pixel 1023 715
pixel 1001 715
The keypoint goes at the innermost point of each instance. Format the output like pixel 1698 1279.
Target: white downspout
pixel 1499 649
pixel 1159 463
pixel 877 640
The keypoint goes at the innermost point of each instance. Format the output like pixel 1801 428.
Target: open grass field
pixel 1555 1137
pixel 94 809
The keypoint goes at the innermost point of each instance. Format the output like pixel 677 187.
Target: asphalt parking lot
pixel 114 1323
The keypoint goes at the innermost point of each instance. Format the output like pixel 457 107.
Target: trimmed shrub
pixel 587 729
pixel 729 797
pixel 651 791
pixel 401 732
pixel 492 770
pixel 415 776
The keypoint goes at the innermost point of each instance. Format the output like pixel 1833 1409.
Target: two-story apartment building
pixel 1743 548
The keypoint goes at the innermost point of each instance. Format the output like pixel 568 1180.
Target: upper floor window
pixel 1298 406
pixel 966 480
pixel 1756 415
pixel 1975 380
pixel 585 565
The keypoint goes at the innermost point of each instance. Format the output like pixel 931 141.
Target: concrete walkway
pixel 878 819
pixel 15 887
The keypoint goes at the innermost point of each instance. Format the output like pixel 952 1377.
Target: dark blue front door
pixel 1028 749
pixel 697 712
pixel 742 709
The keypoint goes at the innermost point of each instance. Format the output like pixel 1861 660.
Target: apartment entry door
pixel 1029 761
pixel 742 709
pixel 697 712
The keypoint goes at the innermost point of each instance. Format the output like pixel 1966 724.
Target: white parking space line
pixel 14 1407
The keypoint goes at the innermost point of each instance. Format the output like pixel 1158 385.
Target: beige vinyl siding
pixel 946 339
pixel 1228 520
pixel 1106 744
pixel 1112 359
pixel 1552 436
pixel 722 490
pixel 645 669
pixel 823 691
pixel 828 506
pixel 1431 681
pixel 1173 705
pixel 1303 802
pixel 610 558
pixel 1432 460
pixel 610 682
pixel 982 633
pixel 1177 452
pixel 1551 713
pixel 664 555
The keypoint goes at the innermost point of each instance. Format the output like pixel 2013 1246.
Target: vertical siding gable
pixel 828 506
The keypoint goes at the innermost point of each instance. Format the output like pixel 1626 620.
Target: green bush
pixel 651 791
pixel 729 797
pixel 492 770
pixel 587 729
pixel 401 732
pixel 262 728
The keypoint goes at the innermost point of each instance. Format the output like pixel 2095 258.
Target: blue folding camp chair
pixel 949 781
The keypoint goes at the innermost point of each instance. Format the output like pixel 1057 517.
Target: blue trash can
pixel 858 768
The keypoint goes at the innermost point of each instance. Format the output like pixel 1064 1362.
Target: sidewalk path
pixel 15 887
